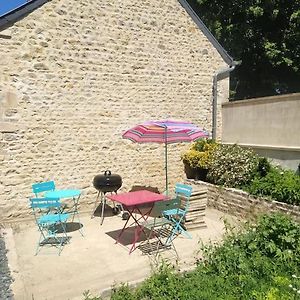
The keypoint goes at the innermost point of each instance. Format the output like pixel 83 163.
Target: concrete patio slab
pixel 93 262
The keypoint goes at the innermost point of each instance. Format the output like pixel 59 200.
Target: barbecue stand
pixel 106 183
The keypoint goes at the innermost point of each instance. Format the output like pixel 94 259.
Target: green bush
pixel 232 165
pixel 278 184
pixel 264 166
pixel 235 166
pixel 200 153
pixel 201 145
pixel 261 257
pixel 260 261
pixel 277 236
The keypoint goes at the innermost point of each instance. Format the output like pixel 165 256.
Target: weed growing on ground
pixel 258 261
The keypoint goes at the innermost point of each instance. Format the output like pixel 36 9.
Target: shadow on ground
pixel 127 236
pixel 69 227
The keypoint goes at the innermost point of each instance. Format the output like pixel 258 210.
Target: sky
pixel 7 5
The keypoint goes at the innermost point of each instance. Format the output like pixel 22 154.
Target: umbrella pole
pixel 166 160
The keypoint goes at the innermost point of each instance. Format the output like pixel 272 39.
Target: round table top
pixel 63 194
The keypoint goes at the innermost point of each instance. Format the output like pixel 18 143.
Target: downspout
pixel 220 75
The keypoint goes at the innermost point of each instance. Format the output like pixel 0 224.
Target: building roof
pixel 226 57
pixel 14 15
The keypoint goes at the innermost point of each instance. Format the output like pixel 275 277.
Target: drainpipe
pixel 220 75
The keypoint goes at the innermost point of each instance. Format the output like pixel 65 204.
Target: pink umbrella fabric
pixel 167 132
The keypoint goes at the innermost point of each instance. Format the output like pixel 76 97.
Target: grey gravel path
pixel 5 276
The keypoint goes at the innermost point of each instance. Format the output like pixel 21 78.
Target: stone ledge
pixel 271 147
pixel 229 200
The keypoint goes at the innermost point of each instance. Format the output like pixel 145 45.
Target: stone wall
pixel 76 74
pixel 240 203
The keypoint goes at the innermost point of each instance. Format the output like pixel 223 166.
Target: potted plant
pixel 198 158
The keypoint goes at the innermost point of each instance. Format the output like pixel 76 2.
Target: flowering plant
pixel 296 284
pixel 200 153
pixel 232 165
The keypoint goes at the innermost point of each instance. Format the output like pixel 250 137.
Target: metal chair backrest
pixel 182 196
pixel 44 203
pixel 43 206
pixel 183 193
pixel 43 187
pixel 161 206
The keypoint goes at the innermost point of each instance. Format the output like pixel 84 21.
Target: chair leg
pixel 80 229
pixel 185 233
pixel 62 242
pixel 159 239
pixel 178 228
pixel 41 238
pixel 168 243
pixel 77 214
pixel 49 235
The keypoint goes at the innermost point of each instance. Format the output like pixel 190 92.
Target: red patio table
pixel 134 202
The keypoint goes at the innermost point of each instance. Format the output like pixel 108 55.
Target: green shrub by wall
pixel 278 184
pixel 238 167
pixel 200 154
pixel 232 165
pixel 260 262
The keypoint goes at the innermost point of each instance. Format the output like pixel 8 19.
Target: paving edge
pixel 17 286
pixel 106 293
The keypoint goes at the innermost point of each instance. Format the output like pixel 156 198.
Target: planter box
pixel 240 203
pixel 195 173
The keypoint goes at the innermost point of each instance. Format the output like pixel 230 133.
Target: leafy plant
pixel 295 286
pixel 232 165
pixel 276 235
pixel 265 252
pixel 264 36
pixel 88 296
pixel 200 153
pixel 258 261
pixel 263 167
pixel 163 284
pixel 278 184
pixel 122 292
pixel 201 145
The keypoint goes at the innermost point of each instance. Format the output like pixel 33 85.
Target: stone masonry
pixel 241 204
pixel 76 74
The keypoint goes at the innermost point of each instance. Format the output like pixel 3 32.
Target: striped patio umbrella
pixel 166 132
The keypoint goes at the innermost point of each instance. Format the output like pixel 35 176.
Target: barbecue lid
pixel 107 181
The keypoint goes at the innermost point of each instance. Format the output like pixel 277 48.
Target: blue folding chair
pixel 159 229
pixel 51 223
pixel 42 187
pixel 178 209
pixel 167 224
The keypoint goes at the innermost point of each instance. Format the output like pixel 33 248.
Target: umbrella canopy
pixel 167 132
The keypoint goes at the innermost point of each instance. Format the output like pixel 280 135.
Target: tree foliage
pixel 264 35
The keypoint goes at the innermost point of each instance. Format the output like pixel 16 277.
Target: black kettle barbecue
pixel 106 183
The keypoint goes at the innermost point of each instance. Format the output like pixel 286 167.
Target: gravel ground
pixel 5 277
